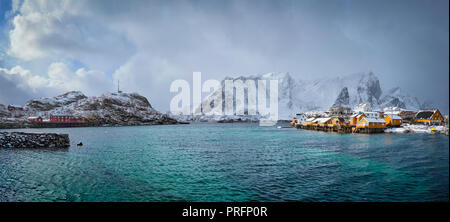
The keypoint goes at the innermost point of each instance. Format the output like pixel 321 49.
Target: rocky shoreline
pixel 33 140
pixel 31 126
pixel 25 125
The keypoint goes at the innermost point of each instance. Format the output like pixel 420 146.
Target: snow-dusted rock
pixel 343 98
pixel 362 108
pixel 396 97
pixel 48 104
pixel 109 108
pixel 299 96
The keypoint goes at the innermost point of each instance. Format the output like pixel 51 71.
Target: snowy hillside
pixel 109 108
pixel 297 95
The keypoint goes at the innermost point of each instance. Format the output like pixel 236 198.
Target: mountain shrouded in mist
pixel 297 95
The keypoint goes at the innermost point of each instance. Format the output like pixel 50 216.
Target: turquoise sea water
pixel 228 162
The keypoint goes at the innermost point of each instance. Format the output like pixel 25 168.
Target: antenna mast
pixel 118 87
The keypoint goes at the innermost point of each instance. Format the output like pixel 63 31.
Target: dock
pixel 340 129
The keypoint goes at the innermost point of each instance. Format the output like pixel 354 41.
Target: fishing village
pixel 344 120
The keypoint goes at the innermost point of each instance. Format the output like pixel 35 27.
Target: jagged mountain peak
pixel 397 97
pixel 343 98
pixel 298 95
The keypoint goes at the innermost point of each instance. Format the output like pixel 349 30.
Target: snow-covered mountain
pixel 297 95
pixel 109 108
pixel 396 97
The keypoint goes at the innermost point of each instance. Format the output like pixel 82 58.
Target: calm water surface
pixel 228 162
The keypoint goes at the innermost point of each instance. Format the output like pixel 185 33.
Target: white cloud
pixel 23 78
pixel 65 29
pixel 148 75
pixel 90 82
pixel 37 22
pixel 59 79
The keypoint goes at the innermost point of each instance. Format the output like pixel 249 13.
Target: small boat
pixel 80 144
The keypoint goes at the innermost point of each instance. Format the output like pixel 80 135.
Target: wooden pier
pixel 340 128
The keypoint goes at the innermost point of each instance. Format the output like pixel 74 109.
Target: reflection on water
pixel 388 139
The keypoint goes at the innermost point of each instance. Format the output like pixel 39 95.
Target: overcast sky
pixel 49 47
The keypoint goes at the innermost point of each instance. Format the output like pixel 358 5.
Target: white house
pixel 301 118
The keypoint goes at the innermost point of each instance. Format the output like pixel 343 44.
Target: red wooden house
pixel 65 118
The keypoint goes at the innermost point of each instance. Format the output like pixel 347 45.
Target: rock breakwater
pixel 33 140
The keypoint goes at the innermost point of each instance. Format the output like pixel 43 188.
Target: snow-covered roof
pixel 323 120
pixel 310 119
pixel 317 120
pixel 392 112
pixel 394 116
pixel 408 110
pixel 33 117
pixel 371 113
pixel 374 120
pixel 300 115
pixel 425 114
pixel 339 118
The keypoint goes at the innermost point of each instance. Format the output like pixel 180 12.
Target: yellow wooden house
pixel 354 119
pixel 429 117
pixel 293 122
pixel 393 120
pixel 309 121
pixel 371 123
pixel 336 121
pixel 324 121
